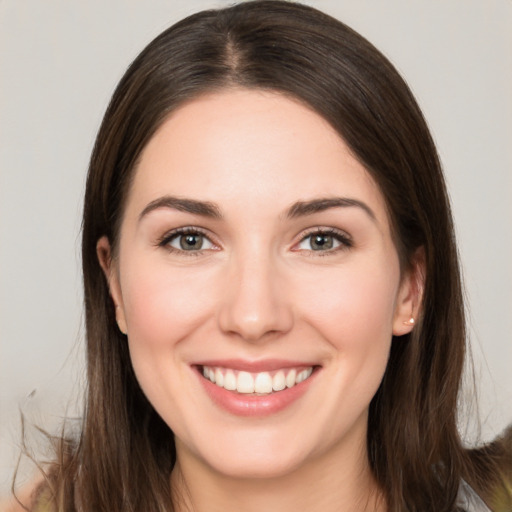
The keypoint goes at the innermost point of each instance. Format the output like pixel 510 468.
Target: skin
pixel 257 291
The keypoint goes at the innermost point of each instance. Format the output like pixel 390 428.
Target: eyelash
pixel 344 240
pixel 176 233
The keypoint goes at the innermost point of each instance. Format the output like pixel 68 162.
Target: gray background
pixel 59 63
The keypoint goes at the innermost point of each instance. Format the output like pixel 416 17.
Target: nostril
pixel 253 321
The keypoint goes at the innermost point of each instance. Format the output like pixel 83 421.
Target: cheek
pixel 163 304
pixel 353 311
pixel 351 302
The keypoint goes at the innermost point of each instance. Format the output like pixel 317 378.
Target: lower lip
pixel 253 405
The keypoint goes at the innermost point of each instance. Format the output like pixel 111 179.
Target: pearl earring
pixel 410 321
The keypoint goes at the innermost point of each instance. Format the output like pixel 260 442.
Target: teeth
pixel 279 381
pixel 229 381
pixel 303 375
pixel 259 383
pixel 290 378
pixel 245 383
pixel 263 383
pixel 219 378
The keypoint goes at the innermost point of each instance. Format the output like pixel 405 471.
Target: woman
pixel 273 302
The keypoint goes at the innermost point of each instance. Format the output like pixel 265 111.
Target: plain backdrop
pixel 59 63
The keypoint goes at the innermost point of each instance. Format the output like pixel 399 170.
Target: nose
pixel 254 302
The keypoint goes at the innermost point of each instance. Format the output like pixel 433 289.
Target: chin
pixel 253 454
pixel 257 468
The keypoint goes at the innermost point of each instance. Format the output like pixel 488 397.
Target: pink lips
pixel 249 404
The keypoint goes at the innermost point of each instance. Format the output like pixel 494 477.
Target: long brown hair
pixel 125 453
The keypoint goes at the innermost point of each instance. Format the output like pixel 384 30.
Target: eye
pixel 188 240
pixel 324 241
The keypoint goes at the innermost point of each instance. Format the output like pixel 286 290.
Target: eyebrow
pixel 303 208
pixel 203 208
pixel 298 209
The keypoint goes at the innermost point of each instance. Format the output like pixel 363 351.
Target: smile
pixel 261 383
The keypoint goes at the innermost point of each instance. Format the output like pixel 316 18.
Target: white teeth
pixel 290 378
pixel 219 378
pixel 260 383
pixel 230 381
pixel 263 383
pixel 301 376
pixel 245 383
pixel 279 381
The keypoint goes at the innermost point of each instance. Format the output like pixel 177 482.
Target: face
pixel 258 284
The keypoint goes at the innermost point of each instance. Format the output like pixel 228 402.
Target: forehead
pixel 249 149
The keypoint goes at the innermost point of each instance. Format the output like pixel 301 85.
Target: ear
pixel 104 253
pixel 410 295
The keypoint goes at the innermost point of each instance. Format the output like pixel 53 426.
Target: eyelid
pixel 164 240
pixel 341 236
pixel 346 241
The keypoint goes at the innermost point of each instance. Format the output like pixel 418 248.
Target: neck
pixel 326 484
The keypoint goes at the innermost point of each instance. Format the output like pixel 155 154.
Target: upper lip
pixel 263 365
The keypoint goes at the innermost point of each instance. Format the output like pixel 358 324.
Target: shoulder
pixel 492 475
pixel 31 498
pixel 469 501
